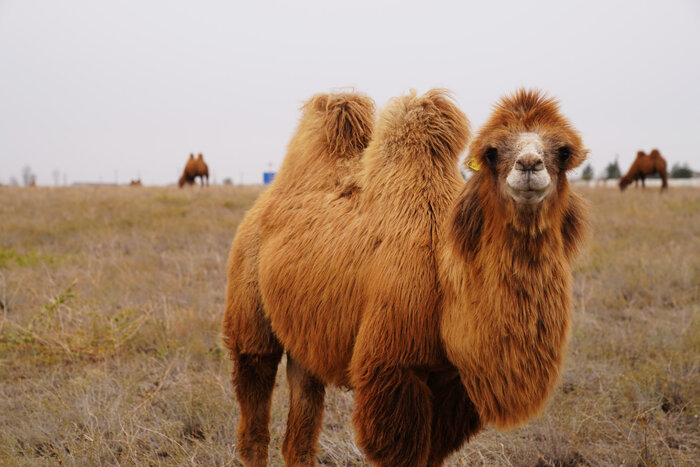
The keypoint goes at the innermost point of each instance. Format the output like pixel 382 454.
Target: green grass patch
pixel 10 257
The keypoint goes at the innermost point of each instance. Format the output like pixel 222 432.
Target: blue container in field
pixel 268 177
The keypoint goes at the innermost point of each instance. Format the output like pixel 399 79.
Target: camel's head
pixel 624 182
pixel 181 182
pixel 525 148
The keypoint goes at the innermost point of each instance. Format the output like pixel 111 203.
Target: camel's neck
pixel 507 303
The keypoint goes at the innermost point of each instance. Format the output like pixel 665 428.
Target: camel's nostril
pixel 528 163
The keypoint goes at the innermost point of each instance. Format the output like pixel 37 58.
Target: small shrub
pixel 681 171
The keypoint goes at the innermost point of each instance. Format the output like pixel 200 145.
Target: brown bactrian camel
pixel 194 168
pixel 444 306
pixel 323 157
pixel 643 166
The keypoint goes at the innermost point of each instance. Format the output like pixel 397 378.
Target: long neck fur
pixel 507 296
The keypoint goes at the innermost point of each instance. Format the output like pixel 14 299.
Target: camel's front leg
pixel 306 394
pixel 392 416
pixel 455 418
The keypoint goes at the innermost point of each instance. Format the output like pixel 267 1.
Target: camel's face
pixel 527 146
pixel 528 180
pixel 527 165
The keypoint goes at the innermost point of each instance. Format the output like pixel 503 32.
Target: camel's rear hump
pixel 347 121
pixel 333 131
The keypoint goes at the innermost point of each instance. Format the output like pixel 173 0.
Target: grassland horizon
pixel 111 301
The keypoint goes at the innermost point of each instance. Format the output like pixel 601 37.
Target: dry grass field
pixel 111 300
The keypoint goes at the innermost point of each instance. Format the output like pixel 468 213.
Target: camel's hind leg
pixel 254 380
pixel 256 354
pixel 306 394
pixel 455 418
pixel 254 349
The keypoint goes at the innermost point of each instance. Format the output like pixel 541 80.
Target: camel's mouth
pixel 529 195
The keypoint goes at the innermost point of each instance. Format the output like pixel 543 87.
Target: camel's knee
pixel 306 394
pixel 392 417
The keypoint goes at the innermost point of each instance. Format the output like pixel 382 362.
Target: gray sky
pixel 129 88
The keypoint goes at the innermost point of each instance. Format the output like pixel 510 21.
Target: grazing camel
pixel 193 169
pixel 136 182
pixel 357 268
pixel 643 166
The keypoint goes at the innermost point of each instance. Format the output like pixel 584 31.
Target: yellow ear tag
pixel 474 164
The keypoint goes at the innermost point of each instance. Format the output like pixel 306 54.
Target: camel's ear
pixel 575 225
pixel 481 158
pixel 571 157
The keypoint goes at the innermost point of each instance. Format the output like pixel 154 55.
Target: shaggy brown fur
pixel 323 157
pixel 643 166
pixel 506 269
pixel 136 182
pixel 193 169
pixel 338 264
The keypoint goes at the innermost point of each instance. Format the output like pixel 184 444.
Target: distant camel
pixel 444 305
pixel 643 166
pixel 194 168
pixel 136 182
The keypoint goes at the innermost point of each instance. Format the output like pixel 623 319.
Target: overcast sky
pixel 100 90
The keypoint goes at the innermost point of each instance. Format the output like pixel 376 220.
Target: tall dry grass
pixel 110 307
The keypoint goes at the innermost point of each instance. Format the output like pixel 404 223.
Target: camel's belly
pixel 314 305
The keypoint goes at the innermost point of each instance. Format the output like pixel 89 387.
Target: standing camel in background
pixel 643 166
pixel 194 168
pixel 444 305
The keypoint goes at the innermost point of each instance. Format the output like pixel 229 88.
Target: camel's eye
pixel 491 155
pixel 564 153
